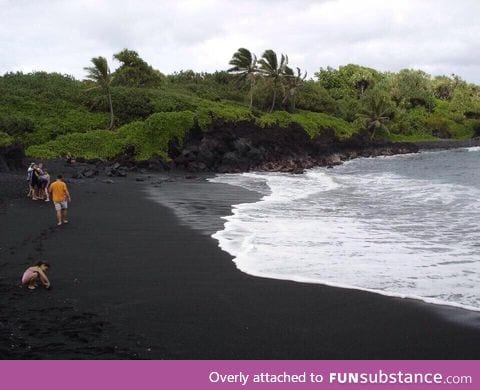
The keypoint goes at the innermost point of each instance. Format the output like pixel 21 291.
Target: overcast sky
pixel 438 36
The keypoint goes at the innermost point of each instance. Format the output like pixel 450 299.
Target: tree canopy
pixel 100 74
pixel 38 108
pixel 134 71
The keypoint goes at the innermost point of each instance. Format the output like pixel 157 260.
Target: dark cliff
pixel 243 146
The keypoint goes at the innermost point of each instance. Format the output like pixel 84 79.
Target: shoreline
pixel 431 147
pixel 340 153
pixel 448 312
pixel 251 196
pixel 130 280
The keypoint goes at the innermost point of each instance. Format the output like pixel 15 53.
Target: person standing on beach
pixel 60 197
pixel 29 179
pixel 35 182
pixel 45 183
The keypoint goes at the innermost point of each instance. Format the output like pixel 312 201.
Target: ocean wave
pixel 473 149
pixel 363 227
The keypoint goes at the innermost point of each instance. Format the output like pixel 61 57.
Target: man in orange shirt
pixel 60 198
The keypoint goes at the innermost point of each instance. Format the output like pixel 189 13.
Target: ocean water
pixel 405 226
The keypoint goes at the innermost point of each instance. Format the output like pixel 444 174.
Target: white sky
pixel 438 36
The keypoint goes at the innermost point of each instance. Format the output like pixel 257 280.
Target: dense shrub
pixel 422 136
pixel 313 97
pixel 41 86
pixel 16 126
pixel 279 118
pixel 476 128
pixel 348 108
pixel 212 86
pixel 349 81
pixel 134 71
pixel 157 130
pixel 448 124
pixel 92 144
pixel 148 138
pixel 55 114
pixel 66 121
pixel 208 112
pixel 438 125
pixel 411 88
pixel 131 104
pixel 168 101
pixel 36 107
pixel 408 122
pixel 312 122
pixel 464 130
pixel 465 102
pixel 5 139
pixel 263 95
pixel 443 122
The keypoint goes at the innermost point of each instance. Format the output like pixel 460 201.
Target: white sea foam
pixel 361 226
pixel 473 149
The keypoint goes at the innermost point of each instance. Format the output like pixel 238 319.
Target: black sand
pixel 131 280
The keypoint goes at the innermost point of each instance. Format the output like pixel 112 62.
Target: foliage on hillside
pixel 312 122
pixel 148 138
pixel 55 115
pixel 37 107
pixel 5 139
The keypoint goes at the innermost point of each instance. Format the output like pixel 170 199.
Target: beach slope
pixel 133 280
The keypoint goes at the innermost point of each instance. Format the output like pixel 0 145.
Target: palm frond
pixel 100 72
pixel 269 61
pixel 243 61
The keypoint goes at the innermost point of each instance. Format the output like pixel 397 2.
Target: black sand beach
pixel 131 280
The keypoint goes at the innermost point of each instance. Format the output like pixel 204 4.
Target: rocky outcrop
pixel 243 146
pixel 11 157
pixel 229 148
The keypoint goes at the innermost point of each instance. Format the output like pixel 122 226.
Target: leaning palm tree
pixel 100 74
pixel 273 70
pixel 375 114
pixel 292 84
pixel 245 65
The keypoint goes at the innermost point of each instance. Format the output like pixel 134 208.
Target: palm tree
pixel 361 84
pixel 293 82
pixel 375 114
pixel 100 74
pixel 245 65
pixel 270 67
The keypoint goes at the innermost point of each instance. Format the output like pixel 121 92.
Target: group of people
pixel 40 187
pixel 38 181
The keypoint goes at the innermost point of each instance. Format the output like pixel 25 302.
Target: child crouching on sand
pixel 34 273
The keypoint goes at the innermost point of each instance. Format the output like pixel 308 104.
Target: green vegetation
pixel 135 72
pixel 139 108
pixel 207 112
pixel 5 139
pixel 100 74
pixel 376 113
pixel 312 122
pixel 274 70
pixel 148 138
pixel 245 65
pixel 37 107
